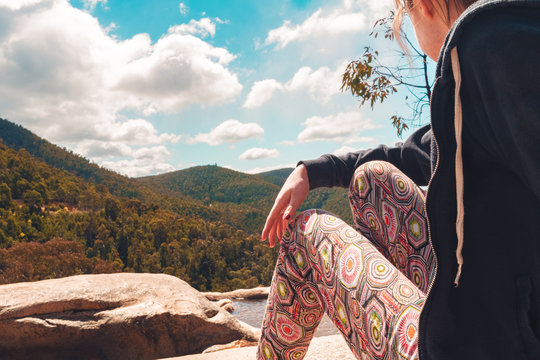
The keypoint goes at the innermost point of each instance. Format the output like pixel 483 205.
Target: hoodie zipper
pixel 427 217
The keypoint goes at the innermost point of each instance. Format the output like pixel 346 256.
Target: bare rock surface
pixel 111 316
pixel 255 293
pixel 225 304
pixel 233 345
pixel 321 348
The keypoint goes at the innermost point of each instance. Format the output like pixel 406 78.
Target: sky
pixel 146 87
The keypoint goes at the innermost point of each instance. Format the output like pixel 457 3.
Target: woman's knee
pixel 309 225
pixel 362 181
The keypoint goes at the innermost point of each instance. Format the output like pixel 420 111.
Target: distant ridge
pixel 61 215
pixel 17 137
pixel 276 177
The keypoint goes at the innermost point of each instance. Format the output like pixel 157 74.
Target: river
pixel 252 313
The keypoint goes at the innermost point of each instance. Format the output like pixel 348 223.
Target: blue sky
pixel 146 87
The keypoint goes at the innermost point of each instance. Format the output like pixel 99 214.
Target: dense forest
pixel 62 215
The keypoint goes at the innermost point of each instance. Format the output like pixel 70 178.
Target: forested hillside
pixel 62 215
pixel 218 186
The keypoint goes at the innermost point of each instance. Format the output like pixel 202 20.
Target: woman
pixel 450 274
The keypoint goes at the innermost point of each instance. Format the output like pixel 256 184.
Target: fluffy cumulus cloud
pixel 333 23
pixel 230 131
pixel 340 127
pixel 145 161
pixel 258 153
pixel 99 150
pixel 321 84
pixel 261 92
pixel 350 16
pixel 203 27
pixel 66 78
pixel 179 70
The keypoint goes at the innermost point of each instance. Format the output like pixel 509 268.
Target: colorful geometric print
pixel 394 200
pixel 324 265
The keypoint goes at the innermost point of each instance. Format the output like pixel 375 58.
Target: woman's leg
pixel 324 265
pixel 388 208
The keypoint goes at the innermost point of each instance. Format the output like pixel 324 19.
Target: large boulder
pixel 111 316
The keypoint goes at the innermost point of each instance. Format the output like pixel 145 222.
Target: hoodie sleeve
pixel 412 157
pixel 499 58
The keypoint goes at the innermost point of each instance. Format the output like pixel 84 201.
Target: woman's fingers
pixel 280 228
pixel 272 236
pixel 292 195
pixel 275 215
pixel 268 224
pixel 287 213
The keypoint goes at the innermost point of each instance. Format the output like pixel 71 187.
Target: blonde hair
pixel 442 7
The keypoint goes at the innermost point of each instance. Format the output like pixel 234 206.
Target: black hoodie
pixel 494 313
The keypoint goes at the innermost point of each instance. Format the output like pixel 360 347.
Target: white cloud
pixel 336 22
pixel 179 70
pixel 337 127
pixel 98 150
pixel 354 140
pixel 156 153
pixel 360 139
pixel 59 66
pixel 258 153
pixel 91 4
pixel 320 84
pixel 270 168
pixel 343 150
pixel 146 161
pixel 138 168
pixel 184 9
pixel 66 78
pixel 18 4
pixel 261 92
pixel 230 131
pixel 351 16
pixel 204 27
pixel 137 132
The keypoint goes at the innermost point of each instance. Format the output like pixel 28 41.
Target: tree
pixel 372 81
pixel 5 196
pixel 112 209
pixel 33 199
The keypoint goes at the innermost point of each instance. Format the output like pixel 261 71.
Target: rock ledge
pixel 112 316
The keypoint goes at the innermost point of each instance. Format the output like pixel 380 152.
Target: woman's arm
pixel 412 157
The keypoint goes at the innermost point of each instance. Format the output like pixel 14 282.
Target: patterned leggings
pixel 371 281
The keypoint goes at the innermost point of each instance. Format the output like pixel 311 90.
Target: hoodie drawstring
pixel 458 125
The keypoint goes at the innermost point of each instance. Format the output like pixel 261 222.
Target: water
pixel 252 313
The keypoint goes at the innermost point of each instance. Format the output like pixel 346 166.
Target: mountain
pixel 276 177
pixel 219 186
pixel 212 184
pixel 62 215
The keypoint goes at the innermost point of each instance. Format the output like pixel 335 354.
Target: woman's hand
pixel 292 194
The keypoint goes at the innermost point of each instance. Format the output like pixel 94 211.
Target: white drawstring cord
pixel 458 124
